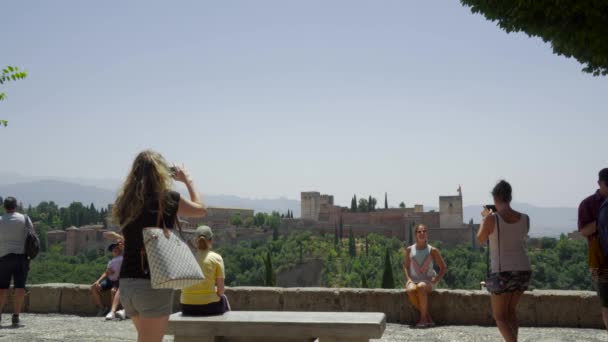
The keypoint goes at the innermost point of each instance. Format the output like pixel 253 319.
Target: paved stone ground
pixel 54 327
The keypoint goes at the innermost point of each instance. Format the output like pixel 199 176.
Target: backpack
pixel 32 242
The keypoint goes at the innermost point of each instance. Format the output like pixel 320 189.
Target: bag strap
pixel 29 226
pixel 160 218
pixel 180 231
pixel 498 240
pixel 488 249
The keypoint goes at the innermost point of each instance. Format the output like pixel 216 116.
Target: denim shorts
pixel 139 298
pixel 13 266
pixel 107 284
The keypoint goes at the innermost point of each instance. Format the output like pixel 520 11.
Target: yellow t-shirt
pixel 204 292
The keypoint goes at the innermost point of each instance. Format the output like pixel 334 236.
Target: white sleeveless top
pixel 420 257
pixel 511 254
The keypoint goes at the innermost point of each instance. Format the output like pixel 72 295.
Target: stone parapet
pixel 540 308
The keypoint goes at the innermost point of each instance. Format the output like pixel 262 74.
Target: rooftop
pixel 68 328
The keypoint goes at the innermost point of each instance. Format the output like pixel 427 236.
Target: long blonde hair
pixel 149 175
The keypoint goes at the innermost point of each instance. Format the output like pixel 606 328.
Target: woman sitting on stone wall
pixel 207 297
pixel 420 259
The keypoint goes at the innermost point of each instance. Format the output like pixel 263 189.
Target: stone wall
pixel 551 308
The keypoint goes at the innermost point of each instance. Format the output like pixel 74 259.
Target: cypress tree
pixel 353 204
pixel 269 273
pixel 369 203
pixel 388 282
pixel 364 281
pixel 385 201
pixel 352 247
pixel 336 235
pixel 411 233
pixel 275 233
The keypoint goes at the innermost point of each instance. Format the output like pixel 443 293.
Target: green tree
pixel 249 221
pixel 353 204
pixel 352 247
pixel 336 240
pixel 364 281
pixel 275 233
pixel 236 220
pixel 411 233
pixel 274 221
pixel 366 246
pixel 270 279
pixel 259 219
pixel 402 205
pixel 10 73
pixel 388 282
pixel 300 250
pixel 573 28
pixel 385 201
pixel 363 205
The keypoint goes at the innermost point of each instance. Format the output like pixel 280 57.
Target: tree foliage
pixel 270 278
pixel 388 281
pixel 236 220
pixel 54 217
pixel 10 73
pixel 352 247
pixel 575 29
pixel 556 264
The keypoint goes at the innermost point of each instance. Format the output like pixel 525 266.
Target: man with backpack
pixel 592 223
pixel 14 263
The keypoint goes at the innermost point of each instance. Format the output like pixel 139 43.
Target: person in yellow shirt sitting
pixel 207 297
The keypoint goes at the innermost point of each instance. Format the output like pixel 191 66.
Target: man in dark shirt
pixel 588 212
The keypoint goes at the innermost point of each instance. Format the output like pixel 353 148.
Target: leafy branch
pixel 10 73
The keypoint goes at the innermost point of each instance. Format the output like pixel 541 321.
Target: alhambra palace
pixel 318 214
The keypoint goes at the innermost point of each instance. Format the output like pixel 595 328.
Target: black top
pixel 134 240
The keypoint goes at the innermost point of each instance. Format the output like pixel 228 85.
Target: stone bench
pixel 278 326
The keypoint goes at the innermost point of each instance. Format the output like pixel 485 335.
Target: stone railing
pixel 576 309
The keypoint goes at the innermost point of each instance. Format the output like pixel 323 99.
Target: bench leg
pixel 342 339
pixel 178 338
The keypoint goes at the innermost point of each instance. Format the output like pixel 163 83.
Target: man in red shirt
pixel 588 212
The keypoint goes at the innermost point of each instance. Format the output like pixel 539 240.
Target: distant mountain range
pixel 33 190
pixel 544 221
pixel 65 192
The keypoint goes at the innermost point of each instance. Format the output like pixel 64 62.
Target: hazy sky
pixel 269 98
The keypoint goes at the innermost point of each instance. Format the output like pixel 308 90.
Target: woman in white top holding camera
pixel 506 230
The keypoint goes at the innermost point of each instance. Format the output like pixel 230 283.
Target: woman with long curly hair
pixel 145 197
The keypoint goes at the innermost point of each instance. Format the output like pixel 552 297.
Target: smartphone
pixel 490 207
